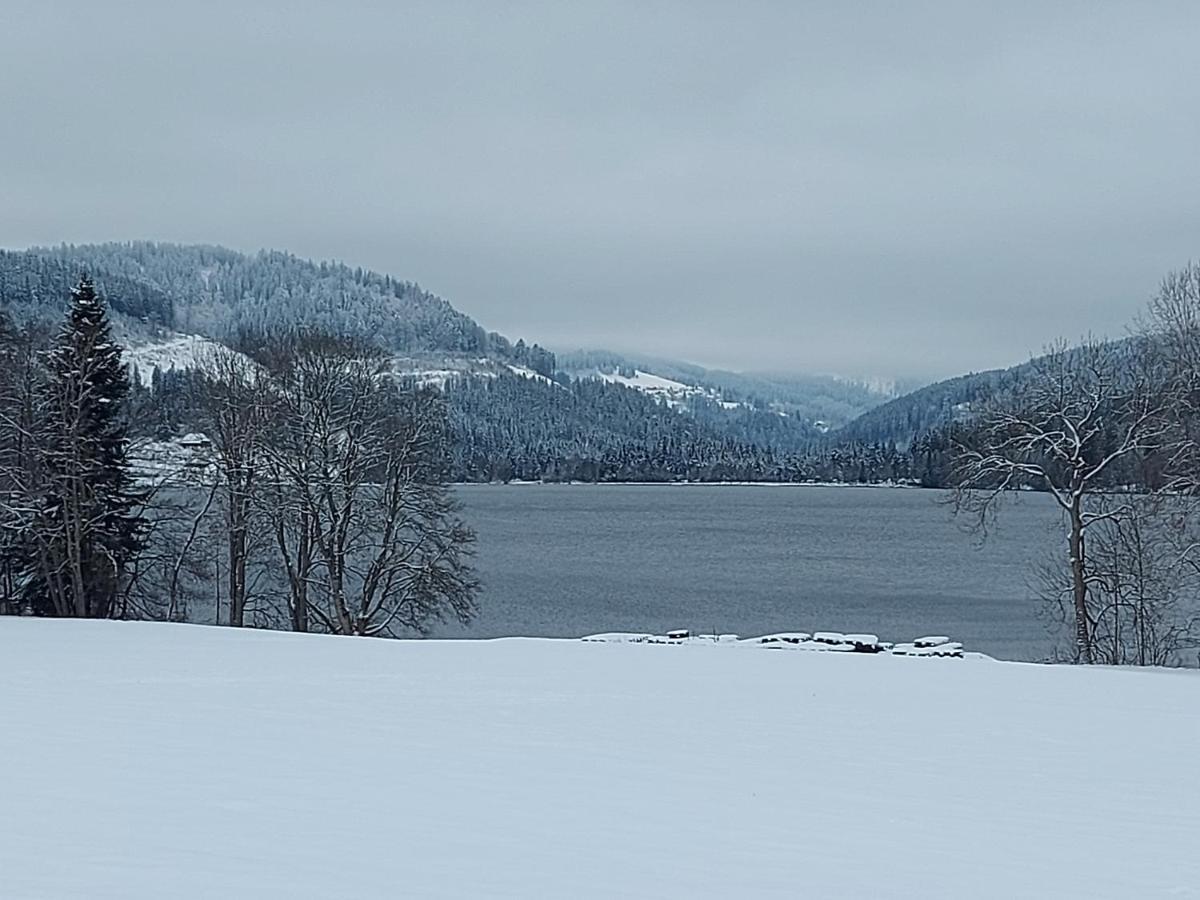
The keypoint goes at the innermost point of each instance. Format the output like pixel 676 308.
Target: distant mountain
pixel 514 412
pixel 224 295
pixel 820 402
pixel 903 421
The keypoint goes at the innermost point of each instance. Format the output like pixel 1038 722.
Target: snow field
pixel 149 760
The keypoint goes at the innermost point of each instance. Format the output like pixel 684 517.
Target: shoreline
pixel 769 484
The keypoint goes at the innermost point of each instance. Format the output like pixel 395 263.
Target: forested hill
pixel 222 294
pixel 823 401
pixel 514 411
pixel 34 286
pixel 905 420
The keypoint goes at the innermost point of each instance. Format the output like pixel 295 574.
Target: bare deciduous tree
pixel 369 536
pixel 170 572
pixel 1081 424
pixel 21 373
pixel 1172 323
pixel 234 400
pixel 1142 582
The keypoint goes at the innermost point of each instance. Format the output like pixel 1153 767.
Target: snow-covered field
pixel 177 351
pixel 145 760
pixel 174 351
pixel 665 390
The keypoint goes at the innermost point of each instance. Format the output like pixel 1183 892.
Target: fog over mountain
pixel 908 191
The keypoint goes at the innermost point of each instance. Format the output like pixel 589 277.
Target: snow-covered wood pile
pixel 823 641
pixel 677 636
pixel 930 646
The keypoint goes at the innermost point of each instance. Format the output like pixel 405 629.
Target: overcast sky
pixel 900 189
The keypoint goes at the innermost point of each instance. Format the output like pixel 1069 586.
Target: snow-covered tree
pixel 79 508
pixel 1087 421
pixel 232 397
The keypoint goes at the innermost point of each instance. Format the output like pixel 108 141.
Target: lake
pixel 569 560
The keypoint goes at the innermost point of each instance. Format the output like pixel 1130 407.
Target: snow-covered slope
pixel 666 390
pixel 173 351
pixel 157 761
pixel 823 401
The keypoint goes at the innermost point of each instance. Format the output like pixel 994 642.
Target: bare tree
pixel 172 570
pixel 1083 423
pixel 1172 323
pixel 369 535
pixel 21 374
pixel 293 526
pixel 1143 581
pixel 234 400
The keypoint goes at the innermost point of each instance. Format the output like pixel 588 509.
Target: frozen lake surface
pixel 569 560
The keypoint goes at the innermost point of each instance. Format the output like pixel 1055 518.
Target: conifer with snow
pixel 85 529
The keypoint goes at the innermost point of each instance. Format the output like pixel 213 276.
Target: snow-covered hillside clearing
pixel 665 390
pixel 173 352
pixel 150 760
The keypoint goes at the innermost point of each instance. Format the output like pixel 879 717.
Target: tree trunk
pixel 338 591
pixel 73 544
pixel 304 554
pixel 237 571
pixel 297 569
pixel 1083 638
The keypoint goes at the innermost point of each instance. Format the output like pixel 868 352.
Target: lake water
pixel 569 560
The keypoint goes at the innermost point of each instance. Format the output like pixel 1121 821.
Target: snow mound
pixel 946 648
pixel 186 762
pixel 931 641
pixel 681 636
pixel 824 641
pixel 624 637
pixel 785 637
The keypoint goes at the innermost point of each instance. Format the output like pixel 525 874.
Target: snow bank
pixel 799 640
pixel 150 761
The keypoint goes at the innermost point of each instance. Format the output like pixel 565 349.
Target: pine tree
pixel 89 530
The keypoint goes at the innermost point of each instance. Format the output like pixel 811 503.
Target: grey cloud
pixel 895 189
